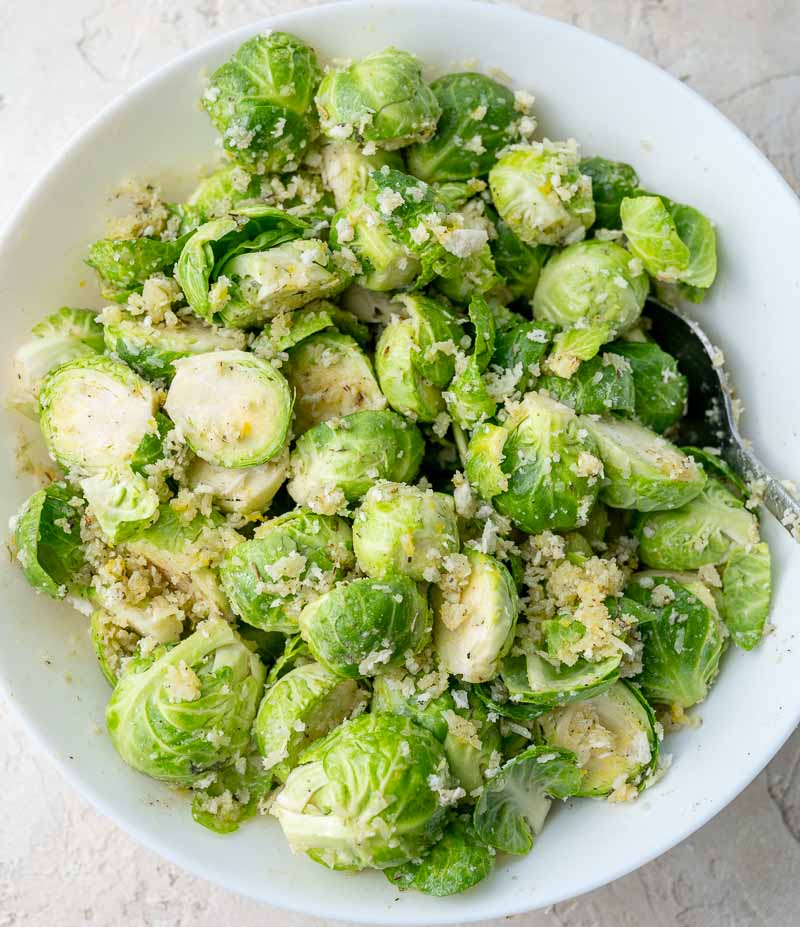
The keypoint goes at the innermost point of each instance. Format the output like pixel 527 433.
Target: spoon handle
pixel 777 498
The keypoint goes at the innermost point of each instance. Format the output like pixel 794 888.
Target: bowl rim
pixel 750 766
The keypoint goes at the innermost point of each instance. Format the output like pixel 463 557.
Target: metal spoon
pixel 710 419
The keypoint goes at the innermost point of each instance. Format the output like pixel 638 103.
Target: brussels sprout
pixel 244 491
pixel 295 653
pixel 676 243
pixel 363 796
pixel 47 539
pixel 151 349
pixel 61 337
pixel 613 736
pixel 219 194
pixel 123 265
pixel 288 563
pixel 336 462
pixel 477 120
pixel 511 811
pixel 612 182
pixel 289 329
pixel 602 384
pixel 414 357
pixel 457 862
pixel 704 531
pixel 113 644
pixel 715 466
pixel 468 398
pixel 95 412
pixel 443 241
pixel 120 501
pixel 518 263
pixel 476 273
pixel 235 794
pixel 684 641
pixel 521 347
pixel 185 552
pixel 181 711
pixel 661 390
pixel 262 102
pixel 534 684
pixel 385 263
pixel 541 472
pixel 232 408
pixel 304 705
pixel 642 470
pixel 591 288
pixel 331 377
pixel 346 169
pixel 404 529
pixel 381 99
pixel 287 276
pixel 746 593
pixel 537 211
pixel 360 627
pixel 474 625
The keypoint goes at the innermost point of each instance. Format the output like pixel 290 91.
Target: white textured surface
pixel 61 864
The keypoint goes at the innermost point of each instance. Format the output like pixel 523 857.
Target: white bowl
pixel 616 104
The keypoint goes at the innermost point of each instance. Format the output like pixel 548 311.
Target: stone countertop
pixel 64 865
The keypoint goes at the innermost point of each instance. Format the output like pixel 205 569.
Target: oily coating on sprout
pixel 366 476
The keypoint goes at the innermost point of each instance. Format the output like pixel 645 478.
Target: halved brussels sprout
pixel 385 263
pixel 457 862
pixel 236 793
pixel 539 190
pixel 290 561
pixel 468 398
pixel 476 273
pixel 704 531
pixel 612 182
pixel 414 357
pixel 232 408
pixel 304 705
pixel 541 471
pixel 364 795
pixel 477 119
pixel 676 243
pixel 591 286
pixel 520 347
pixel 262 102
pixel 336 462
pixel 47 539
pixel 95 412
pixel 512 809
pixel 381 99
pixel 404 529
pixel 124 265
pixel 186 551
pixel 181 711
pixel 331 377
pixel 246 490
pixel 151 349
pixel 474 625
pixel 346 169
pixel 600 385
pixel 684 641
pixel 642 470
pixel 518 263
pixel 121 502
pixel 61 337
pixel 746 593
pixel 219 194
pixel 361 627
pixel 113 644
pixel 661 389
pixel 287 276
pixel 612 735
pixel 536 684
